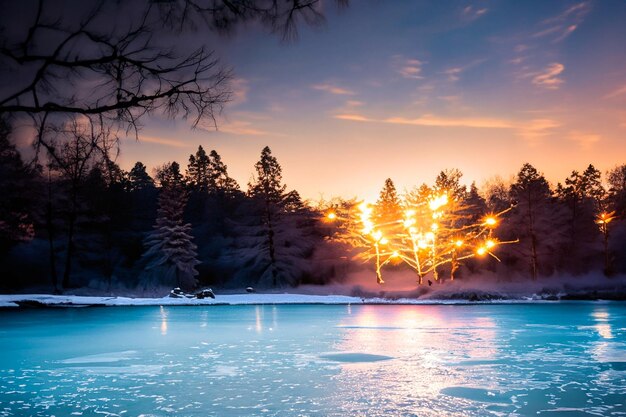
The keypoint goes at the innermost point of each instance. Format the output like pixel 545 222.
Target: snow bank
pixel 44 300
pixel 398 290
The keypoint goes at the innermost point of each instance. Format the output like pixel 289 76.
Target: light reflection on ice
pixel 163 314
pixel 498 360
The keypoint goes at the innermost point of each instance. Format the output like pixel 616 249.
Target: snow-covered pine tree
pixel 275 237
pixel 171 256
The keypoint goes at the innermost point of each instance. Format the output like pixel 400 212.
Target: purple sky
pixel 404 89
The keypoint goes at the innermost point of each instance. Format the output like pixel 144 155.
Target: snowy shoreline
pixel 48 300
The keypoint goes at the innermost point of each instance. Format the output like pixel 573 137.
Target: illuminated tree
pixel 387 209
pixel 603 220
pixel 436 227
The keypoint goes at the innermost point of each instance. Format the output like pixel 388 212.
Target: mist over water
pixel 436 360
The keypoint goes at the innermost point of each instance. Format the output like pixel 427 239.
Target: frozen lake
pixel 438 360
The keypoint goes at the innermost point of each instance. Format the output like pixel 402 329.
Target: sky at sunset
pixel 404 89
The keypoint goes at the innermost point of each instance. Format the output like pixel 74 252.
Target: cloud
pixel 576 11
pixel 546 32
pixel 163 141
pixel 239 91
pixel 243 123
pixel 532 131
pixel 521 48
pixel 333 89
pixel 566 32
pixel 433 121
pixel 564 24
pixel 617 92
pixel 354 103
pixel 536 129
pixel 453 73
pixel 549 77
pixel 408 67
pixel 473 13
pixel 450 99
pixel 240 127
pixel 353 117
pixel 585 140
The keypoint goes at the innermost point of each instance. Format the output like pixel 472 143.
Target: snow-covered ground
pixel 12 300
pixel 398 289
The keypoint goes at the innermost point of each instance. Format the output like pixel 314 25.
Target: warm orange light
pixel 434 227
pixel 459 243
pixel 331 216
pixel 605 218
pixel 438 202
pixel 430 236
pixel 377 235
pixel 384 241
pixel 481 251
pixel 409 222
pixel 490 221
pixel 490 244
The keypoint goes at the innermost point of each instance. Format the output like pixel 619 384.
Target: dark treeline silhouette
pixel 78 220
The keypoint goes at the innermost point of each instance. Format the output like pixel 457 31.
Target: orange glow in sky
pixel 413 88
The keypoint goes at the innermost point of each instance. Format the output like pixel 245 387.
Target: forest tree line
pixel 76 219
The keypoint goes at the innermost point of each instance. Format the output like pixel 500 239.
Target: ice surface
pixel 354 357
pixel 102 358
pixel 312 360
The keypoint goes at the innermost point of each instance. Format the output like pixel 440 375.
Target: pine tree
pixel 268 190
pixel 475 204
pixel 449 182
pixel 198 172
pixel 169 176
pixel 139 179
pixel 387 211
pixel 583 198
pixel 171 256
pixel 17 188
pixel 276 233
pixel 617 190
pixel 534 216
pixel 267 185
pixel 218 174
